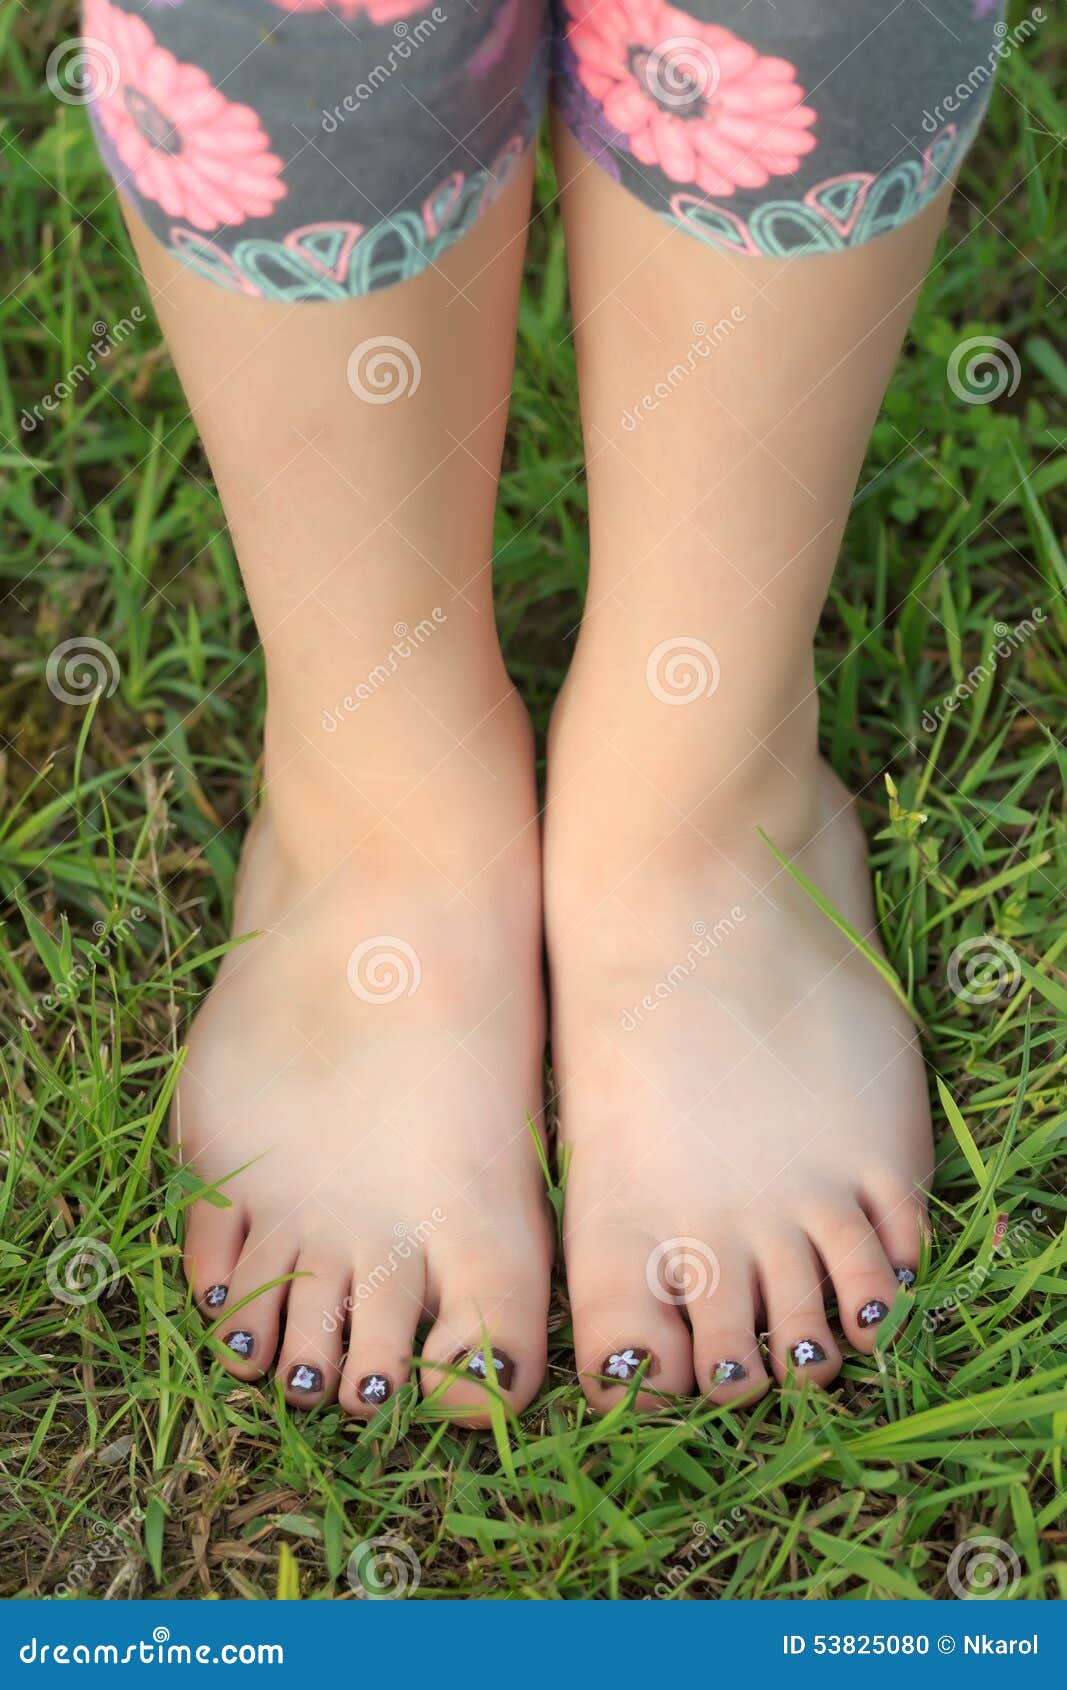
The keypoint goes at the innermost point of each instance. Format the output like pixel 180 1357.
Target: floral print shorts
pixel 320 149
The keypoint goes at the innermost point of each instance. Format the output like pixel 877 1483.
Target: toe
pixel 898 1213
pixel 726 1354
pixel 621 1324
pixel 801 1344
pixel 384 1311
pixel 213 1242
pixel 309 1365
pixel 492 1321
pixel 247 1336
pixel 864 1282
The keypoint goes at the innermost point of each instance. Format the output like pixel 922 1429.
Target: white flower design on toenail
pixel 305 1378
pixel 374 1388
pixel 729 1373
pixel 477 1363
pixel 241 1343
pixel 874 1311
pixel 808 1351
pixel 474 1362
pixel 623 1364
pixel 382 969
pixel 906 1277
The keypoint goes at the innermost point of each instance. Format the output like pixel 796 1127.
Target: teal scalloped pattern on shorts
pixel 834 215
pixel 327 261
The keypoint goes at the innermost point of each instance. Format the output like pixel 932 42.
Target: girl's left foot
pixel 743 1095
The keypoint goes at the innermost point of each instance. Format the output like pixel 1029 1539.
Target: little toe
pixel 801 1345
pixel 726 1354
pixel 247 1336
pixel 213 1242
pixel 491 1325
pixel 863 1279
pixel 310 1361
pixel 385 1313
pixel 621 1326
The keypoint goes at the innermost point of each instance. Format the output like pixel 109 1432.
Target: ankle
pixel 443 809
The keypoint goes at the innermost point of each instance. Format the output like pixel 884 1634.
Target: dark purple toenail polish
pixel 216 1295
pixel 241 1343
pixel 728 1373
pixel 373 1388
pixel 906 1277
pixel 807 1352
pixel 874 1311
pixel 623 1364
pixel 474 1362
pixel 304 1378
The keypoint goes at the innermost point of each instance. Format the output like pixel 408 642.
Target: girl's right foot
pixel 360 1080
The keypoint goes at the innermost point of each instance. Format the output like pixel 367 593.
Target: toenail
pixel 623 1364
pixel 906 1277
pixel 304 1378
pixel 241 1343
pixel 807 1352
pixel 216 1295
pixel 473 1361
pixel 728 1373
pixel 373 1388
pixel 874 1311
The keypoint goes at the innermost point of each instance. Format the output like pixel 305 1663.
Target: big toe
pixel 490 1337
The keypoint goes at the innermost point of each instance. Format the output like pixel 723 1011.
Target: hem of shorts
pixel 335 259
pixel 840 212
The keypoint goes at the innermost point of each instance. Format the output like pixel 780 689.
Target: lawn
pixel 129 1465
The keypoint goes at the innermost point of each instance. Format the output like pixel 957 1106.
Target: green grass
pixel 128 1464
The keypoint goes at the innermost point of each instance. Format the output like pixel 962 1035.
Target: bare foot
pixel 743 1095
pixel 359 1082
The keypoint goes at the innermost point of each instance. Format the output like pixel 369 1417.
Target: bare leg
pixel 368 1064
pixel 735 1076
